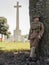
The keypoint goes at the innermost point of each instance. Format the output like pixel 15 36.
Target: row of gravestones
pixel 19 59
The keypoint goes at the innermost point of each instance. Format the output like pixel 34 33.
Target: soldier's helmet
pixel 36 16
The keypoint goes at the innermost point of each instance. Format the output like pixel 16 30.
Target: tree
pixel 41 8
pixel 3 26
pixel 8 34
pixel 26 36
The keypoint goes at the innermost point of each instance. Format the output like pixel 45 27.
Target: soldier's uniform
pixel 36 30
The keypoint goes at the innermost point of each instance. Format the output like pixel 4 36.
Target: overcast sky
pixel 8 11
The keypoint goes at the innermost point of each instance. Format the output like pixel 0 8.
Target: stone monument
pixel 41 7
pixel 17 31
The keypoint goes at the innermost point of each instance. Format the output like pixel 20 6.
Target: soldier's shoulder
pixel 32 23
pixel 36 22
pixel 40 22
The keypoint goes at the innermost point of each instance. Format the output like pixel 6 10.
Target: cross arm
pixel 17 6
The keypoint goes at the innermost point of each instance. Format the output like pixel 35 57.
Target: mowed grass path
pixel 14 46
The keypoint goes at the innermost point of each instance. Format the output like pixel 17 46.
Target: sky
pixel 8 11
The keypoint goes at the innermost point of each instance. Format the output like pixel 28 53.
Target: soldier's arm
pixel 29 34
pixel 42 30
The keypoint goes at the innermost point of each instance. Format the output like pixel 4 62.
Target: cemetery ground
pixel 10 54
pixel 14 46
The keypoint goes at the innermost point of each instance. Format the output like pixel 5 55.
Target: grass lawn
pixel 14 46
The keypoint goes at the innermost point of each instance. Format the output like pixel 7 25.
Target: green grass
pixel 14 46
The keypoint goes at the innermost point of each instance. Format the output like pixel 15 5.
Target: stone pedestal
pixel 17 35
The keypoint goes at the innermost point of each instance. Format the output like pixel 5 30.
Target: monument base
pixel 17 35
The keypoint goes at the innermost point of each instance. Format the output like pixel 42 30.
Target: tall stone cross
pixel 17 15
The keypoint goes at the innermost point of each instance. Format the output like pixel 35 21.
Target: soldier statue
pixel 35 34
